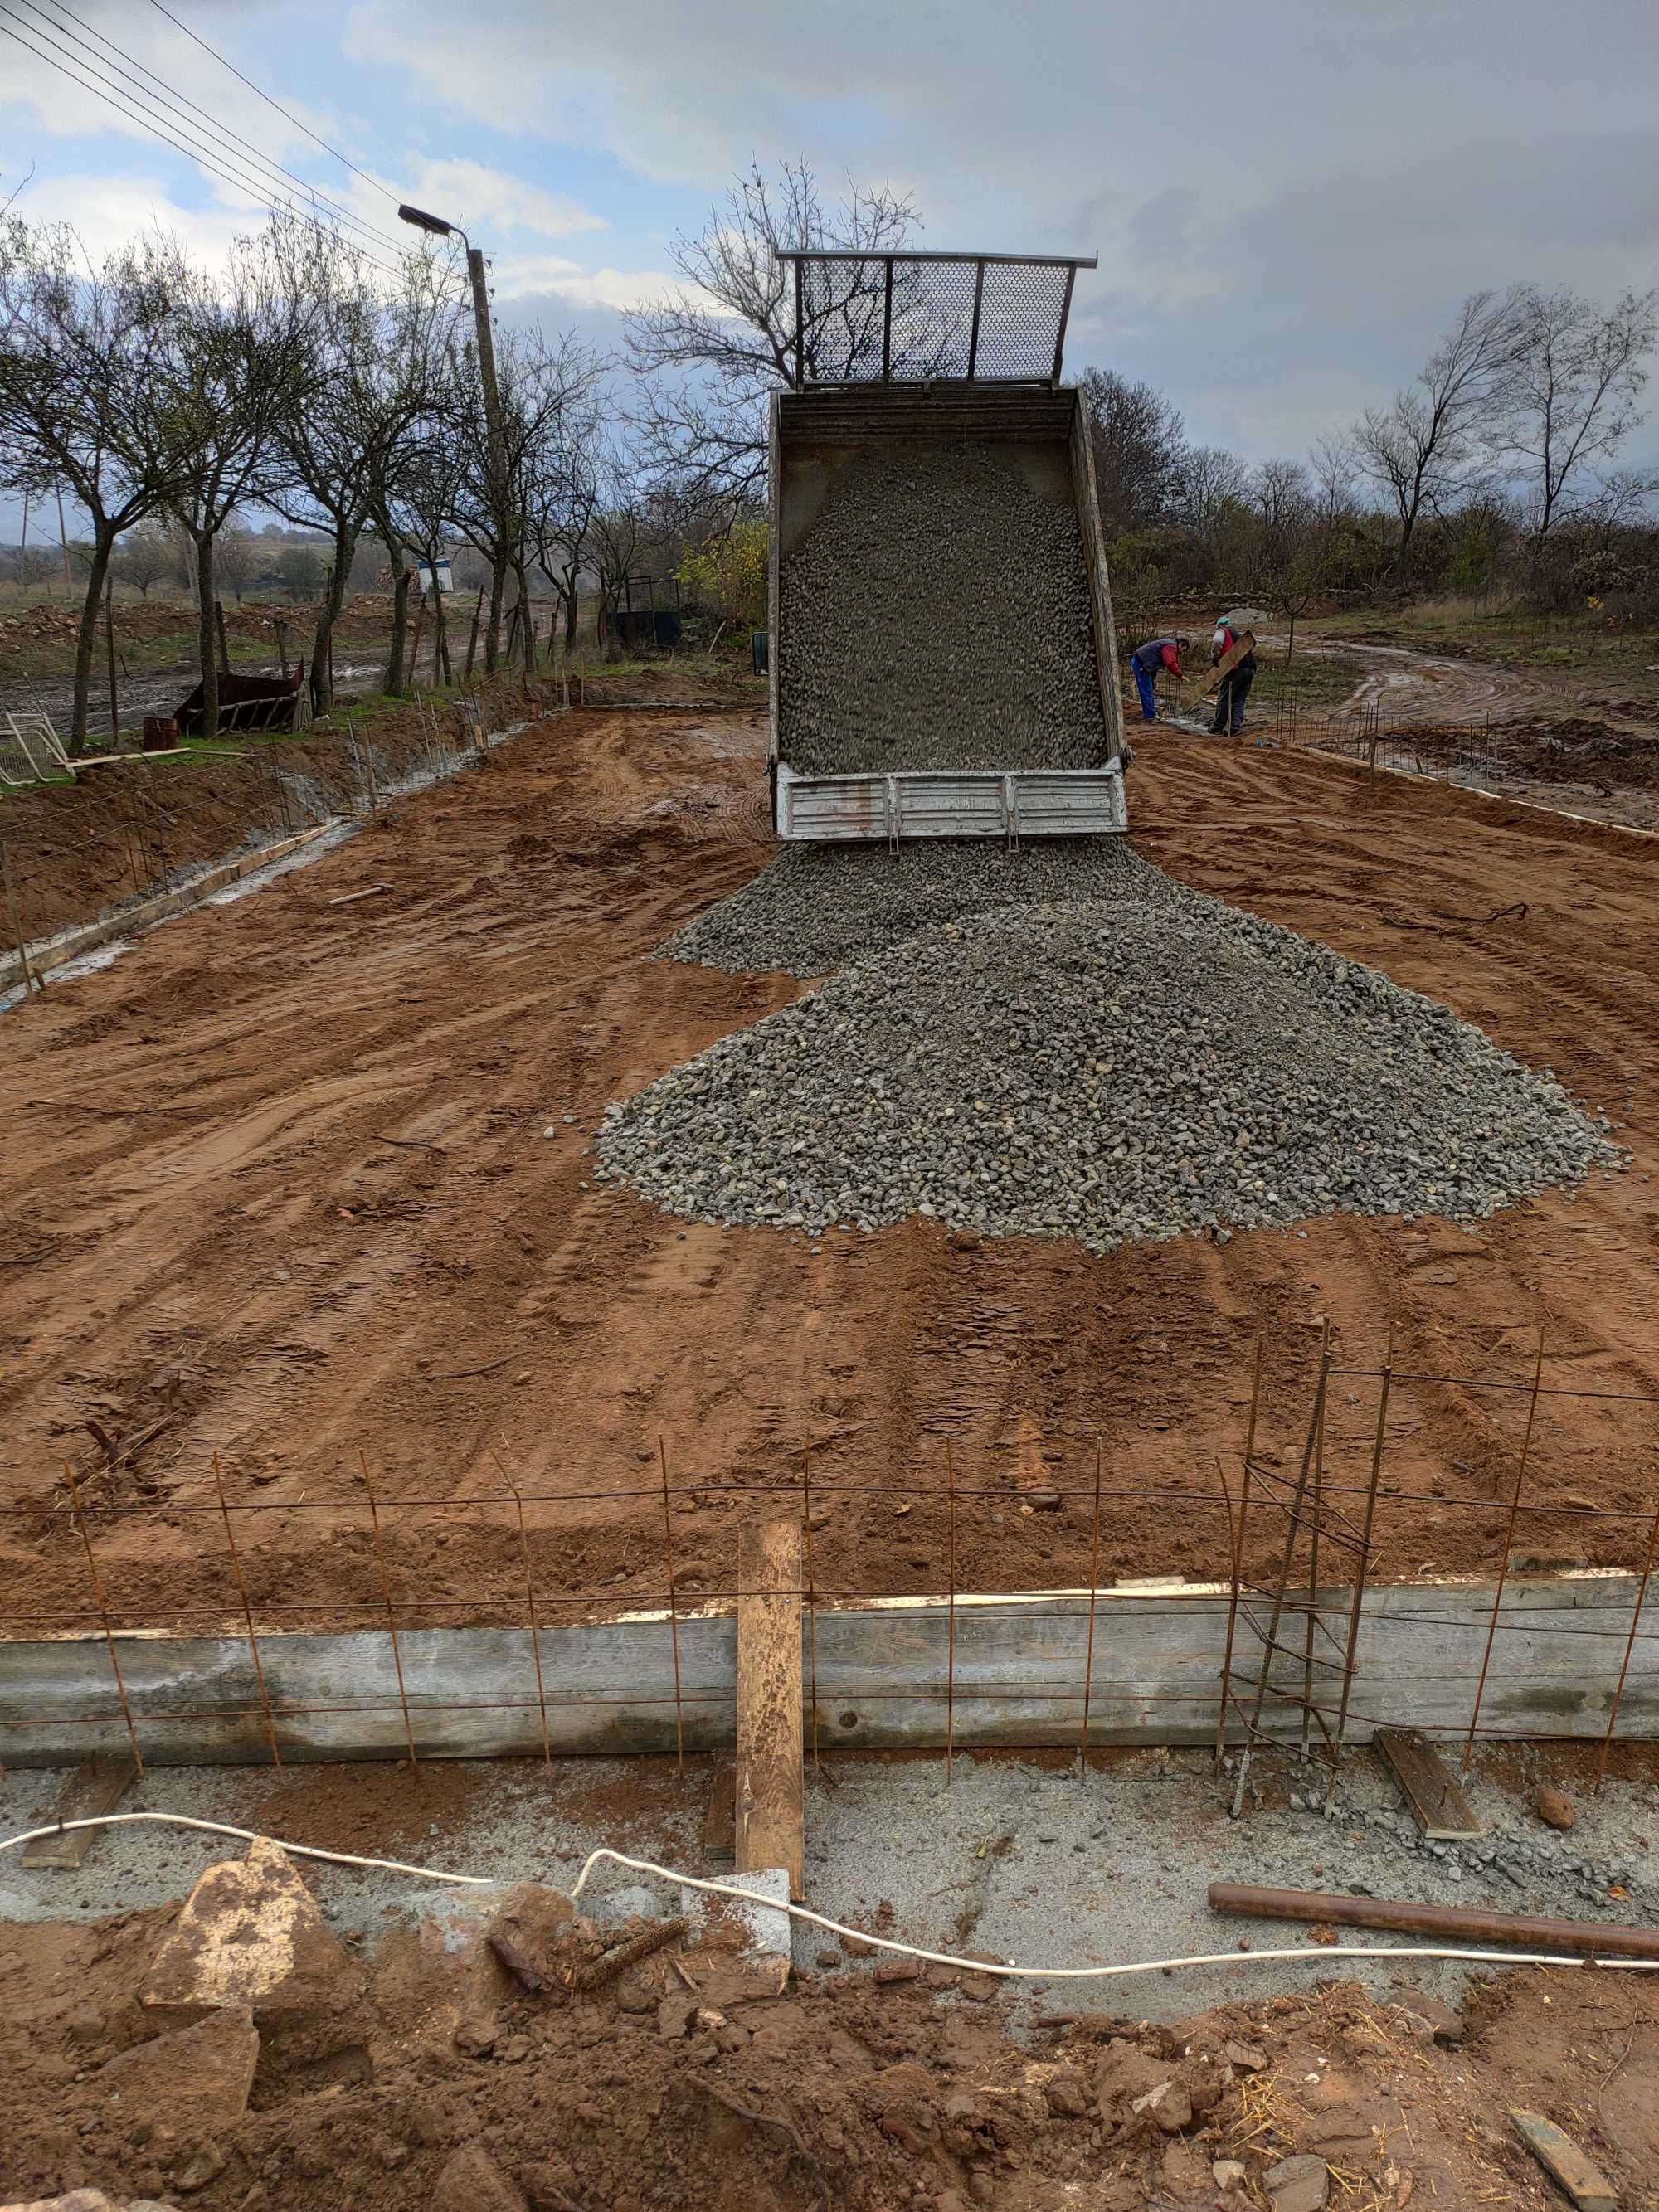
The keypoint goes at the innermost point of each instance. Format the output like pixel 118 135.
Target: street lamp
pixel 475 262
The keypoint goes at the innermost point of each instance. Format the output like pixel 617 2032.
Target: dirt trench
pixel 299 1190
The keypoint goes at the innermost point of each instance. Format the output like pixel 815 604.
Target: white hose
pixel 1304 1950
pixel 1308 1954
pixel 248 1835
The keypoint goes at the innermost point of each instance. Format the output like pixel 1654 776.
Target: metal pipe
pixel 1335 1908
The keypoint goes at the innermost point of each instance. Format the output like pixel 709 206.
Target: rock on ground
pixel 200 2076
pixel 936 615
pixel 1114 1071
pixel 250 1933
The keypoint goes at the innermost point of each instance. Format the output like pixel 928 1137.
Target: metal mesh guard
pixel 927 326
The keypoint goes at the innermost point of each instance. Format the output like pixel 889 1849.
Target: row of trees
pixel 1502 451
pixel 166 402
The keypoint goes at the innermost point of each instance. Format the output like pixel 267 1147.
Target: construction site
pixel 783 1400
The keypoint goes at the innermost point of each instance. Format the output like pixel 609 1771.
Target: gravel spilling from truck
pixel 937 616
pixel 1108 1069
pixel 818 907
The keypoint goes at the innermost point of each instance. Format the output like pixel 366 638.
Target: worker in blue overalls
pixel 1146 660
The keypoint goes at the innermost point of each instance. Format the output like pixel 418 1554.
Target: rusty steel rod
pixel 951 1612
pixel 1362 1564
pixel 1509 1546
pixel 1089 1648
pixel 1238 1552
pixel 1470 1924
pixel 811 1599
pixel 535 1629
pixel 391 1613
pixel 1630 1646
pixel 673 1605
pixel 103 1615
pixel 247 1614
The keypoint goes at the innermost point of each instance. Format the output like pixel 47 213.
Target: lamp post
pixel 492 398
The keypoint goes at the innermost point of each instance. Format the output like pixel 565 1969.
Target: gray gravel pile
pixel 1110 1071
pixel 818 907
pixel 936 615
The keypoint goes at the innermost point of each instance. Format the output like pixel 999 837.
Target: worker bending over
pixel 1146 660
pixel 1235 685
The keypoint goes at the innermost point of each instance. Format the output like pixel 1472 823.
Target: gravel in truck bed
pixel 936 615
pixel 1110 1070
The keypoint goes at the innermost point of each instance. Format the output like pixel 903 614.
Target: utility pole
pixel 492 397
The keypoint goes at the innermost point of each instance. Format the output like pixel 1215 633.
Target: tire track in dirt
pixel 249 1251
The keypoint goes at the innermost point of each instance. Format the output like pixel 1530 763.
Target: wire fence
pixel 1297 1633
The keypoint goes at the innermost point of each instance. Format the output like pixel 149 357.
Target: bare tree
pixel 622 533
pixel 82 350
pixel 710 356
pixel 1140 450
pixel 563 492
pixel 1419 449
pixel 240 560
pixel 144 557
pixel 1573 392
pixel 538 385
pixel 354 432
pixel 243 355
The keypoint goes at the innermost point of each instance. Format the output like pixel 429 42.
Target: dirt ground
pixel 419 2069
pixel 306 1190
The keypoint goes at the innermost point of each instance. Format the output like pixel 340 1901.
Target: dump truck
pixel 942 660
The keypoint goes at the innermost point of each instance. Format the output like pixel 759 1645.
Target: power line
pixel 257 187
pixel 241 149
pixel 277 104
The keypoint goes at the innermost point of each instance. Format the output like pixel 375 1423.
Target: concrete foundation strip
pixel 887 1676
pixel 58 951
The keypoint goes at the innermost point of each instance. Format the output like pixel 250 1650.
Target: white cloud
pixel 472 193
pixel 109 210
pixel 518 275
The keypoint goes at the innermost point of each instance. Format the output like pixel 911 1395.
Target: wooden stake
pixel 770 1790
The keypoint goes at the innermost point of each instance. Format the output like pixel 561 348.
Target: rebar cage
pixel 932 318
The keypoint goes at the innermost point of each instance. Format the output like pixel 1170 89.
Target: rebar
pixel 673 1605
pixel 1509 1544
pixel 247 1614
pixel 391 1613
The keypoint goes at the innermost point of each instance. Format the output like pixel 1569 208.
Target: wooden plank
pixel 882 1675
pixel 95 1787
pixel 1245 642
pixel 1441 1810
pixel 1564 2163
pixel 720 1820
pixel 350 898
pixel 770 1813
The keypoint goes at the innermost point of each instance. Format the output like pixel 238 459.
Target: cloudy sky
pixel 1287 199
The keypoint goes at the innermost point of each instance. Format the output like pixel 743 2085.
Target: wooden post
pixel 109 644
pixel 770 1809
pixel 282 648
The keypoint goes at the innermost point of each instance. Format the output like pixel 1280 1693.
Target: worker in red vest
pixel 1146 660
pixel 1234 685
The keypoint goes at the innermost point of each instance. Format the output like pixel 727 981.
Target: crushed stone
pixel 1112 1070
pixel 937 615
pixel 817 908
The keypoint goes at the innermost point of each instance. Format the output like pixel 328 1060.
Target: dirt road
pixel 295 1179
